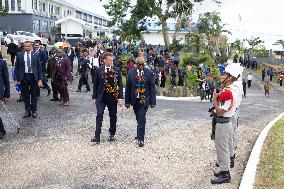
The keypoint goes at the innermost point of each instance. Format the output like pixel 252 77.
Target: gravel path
pixel 53 151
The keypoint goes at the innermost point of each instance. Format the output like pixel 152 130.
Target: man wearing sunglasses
pixel 225 103
pixel 140 93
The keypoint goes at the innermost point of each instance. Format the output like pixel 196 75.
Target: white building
pixel 154 36
pixel 39 16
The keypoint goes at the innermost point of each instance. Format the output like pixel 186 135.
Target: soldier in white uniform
pixel 225 104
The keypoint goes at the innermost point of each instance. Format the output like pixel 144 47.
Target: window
pixel 45 26
pixel 36 25
pixel 6 4
pixel 50 9
pixel 78 14
pixel 40 6
pixel 56 10
pixel 35 5
pixel 69 12
pixel 43 7
pixel 19 3
pixel 13 8
pixel 85 17
pixel 90 18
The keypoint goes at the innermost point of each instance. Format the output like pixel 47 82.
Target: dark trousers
pixel 280 82
pixel 249 83
pixel 13 59
pixel 54 91
pixel 270 77
pixel 263 77
pixel 140 112
pixel 83 81
pixel 111 103
pixel 64 91
pixel 2 129
pixel 29 91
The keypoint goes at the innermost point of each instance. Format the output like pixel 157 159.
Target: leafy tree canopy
pixel 3 11
pixel 254 41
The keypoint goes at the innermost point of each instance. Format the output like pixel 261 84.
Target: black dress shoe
pixel 78 91
pixel 34 114
pixel 95 140
pixel 48 92
pixel 54 99
pixel 223 177
pixel 140 143
pixel 2 136
pixel 20 100
pixel 232 163
pixel 111 138
pixel 88 90
pixel 27 114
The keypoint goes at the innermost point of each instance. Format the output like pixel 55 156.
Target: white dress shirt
pixel 26 63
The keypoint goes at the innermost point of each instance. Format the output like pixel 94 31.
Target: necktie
pixel 107 70
pixel 29 63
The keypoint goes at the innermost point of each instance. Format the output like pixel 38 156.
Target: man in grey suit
pixel 28 73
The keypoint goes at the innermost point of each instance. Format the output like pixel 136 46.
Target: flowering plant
pixel 111 82
pixel 140 86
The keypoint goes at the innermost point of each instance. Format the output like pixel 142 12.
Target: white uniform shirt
pixel 249 77
pixel 26 62
pixel 230 105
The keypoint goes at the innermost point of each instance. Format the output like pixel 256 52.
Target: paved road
pixel 53 151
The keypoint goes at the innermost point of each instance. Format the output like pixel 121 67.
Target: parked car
pixel 22 35
pixel 43 40
pixel 15 38
pixel 27 36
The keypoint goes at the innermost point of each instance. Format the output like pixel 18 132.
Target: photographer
pixel 225 104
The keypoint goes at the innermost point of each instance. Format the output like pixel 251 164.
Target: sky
pixel 244 18
pixel 247 18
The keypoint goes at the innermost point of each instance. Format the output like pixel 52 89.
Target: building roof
pixel 92 7
pixel 153 26
pixel 72 18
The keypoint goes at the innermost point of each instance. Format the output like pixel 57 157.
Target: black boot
pixel 223 177
pixel 232 163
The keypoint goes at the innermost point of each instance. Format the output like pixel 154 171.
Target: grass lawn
pixel 270 171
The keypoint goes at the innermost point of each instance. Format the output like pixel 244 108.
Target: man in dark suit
pixel 28 74
pixel 4 91
pixel 107 91
pixel 71 55
pixel 12 50
pixel 140 93
pixel 43 60
pixel 50 70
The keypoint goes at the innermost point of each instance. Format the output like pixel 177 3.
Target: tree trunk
pixel 177 28
pixel 165 30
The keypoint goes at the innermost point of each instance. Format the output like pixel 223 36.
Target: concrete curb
pixel 248 178
pixel 195 98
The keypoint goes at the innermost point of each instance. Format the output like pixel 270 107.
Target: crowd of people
pixel 34 66
pixel 146 68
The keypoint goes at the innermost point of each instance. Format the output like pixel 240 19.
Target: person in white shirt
pixel 225 103
pixel 249 79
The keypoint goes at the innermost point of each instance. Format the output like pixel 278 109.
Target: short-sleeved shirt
pixel 229 101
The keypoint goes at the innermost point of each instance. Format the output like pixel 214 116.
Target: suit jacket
pixel 99 86
pixel 4 80
pixel 20 66
pixel 12 49
pixel 50 67
pixel 72 55
pixel 150 92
